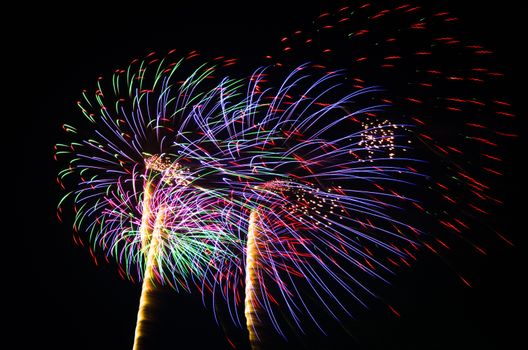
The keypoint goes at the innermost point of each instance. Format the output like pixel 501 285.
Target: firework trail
pixel 148 288
pixel 251 289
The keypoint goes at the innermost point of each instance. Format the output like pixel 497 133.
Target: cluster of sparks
pixel 171 172
pixel 379 135
pixel 285 185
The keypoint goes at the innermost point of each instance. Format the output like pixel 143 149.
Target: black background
pixel 66 302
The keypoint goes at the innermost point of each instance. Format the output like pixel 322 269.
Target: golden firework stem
pixel 152 239
pixel 251 301
pixel 145 229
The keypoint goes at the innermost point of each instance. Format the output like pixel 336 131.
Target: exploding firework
pixel 451 92
pixel 445 94
pixel 131 196
pixel 292 191
pixel 174 193
pixel 308 183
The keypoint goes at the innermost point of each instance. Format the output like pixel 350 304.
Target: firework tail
pixel 252 288
pixel 147 304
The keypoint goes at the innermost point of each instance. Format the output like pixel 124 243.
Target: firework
pixel 307 181
pixel 312 219
pixel 252 285
pixel 445 84
pixel 132 195
pixel 180 210
pixel 290 192
pixel 451 92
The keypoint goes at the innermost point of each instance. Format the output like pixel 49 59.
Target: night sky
pixel 66 302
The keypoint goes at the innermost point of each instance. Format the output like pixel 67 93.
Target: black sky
pixel 66 302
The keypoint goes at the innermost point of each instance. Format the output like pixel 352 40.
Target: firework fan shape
pixel 132 199
pixel 123 169
pixel 307 180
pixel 291 192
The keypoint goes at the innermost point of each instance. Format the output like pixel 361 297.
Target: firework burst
pixel 131 196
pixel 307 182
pixel 291 191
